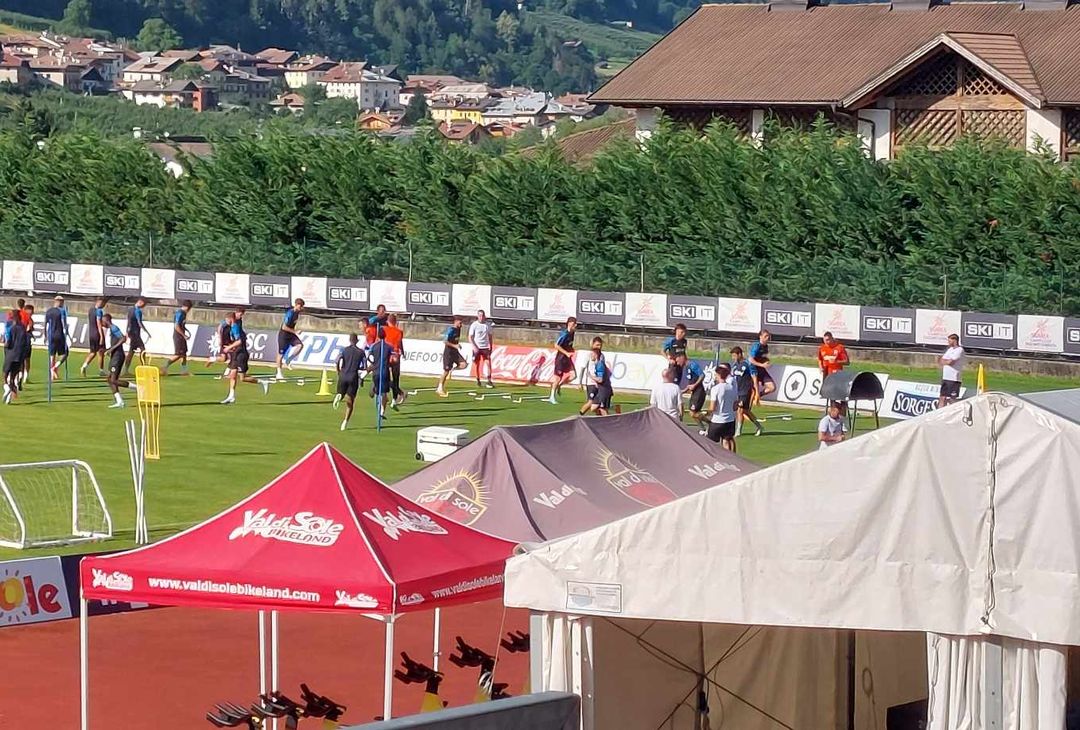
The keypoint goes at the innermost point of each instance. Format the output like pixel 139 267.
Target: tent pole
pixel 851 680
pixel 84 664
pixel 388 678
pixel 435 653
pixel 262 652
pixel 274 657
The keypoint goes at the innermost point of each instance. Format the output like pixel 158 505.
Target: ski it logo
pixel 634 482
pixel 355 600
pixel 404 521
pixel 114 581
pixel 303 528
pixel 461 496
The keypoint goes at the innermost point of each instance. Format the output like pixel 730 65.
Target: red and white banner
pixel 840 319
pixel 933 326
pixel 158 283
pixel 18 275
pixel 390 294
pixel 646 310
pixel 312 289
pixel 87 279
pixel 232 288
pixel 468 299
pixel 32 591
pixel 738 315
pixel 555 305
pixel 1036 333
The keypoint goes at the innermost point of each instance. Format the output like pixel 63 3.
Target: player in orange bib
pixel 832 356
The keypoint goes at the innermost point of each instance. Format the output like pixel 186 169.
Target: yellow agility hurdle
pixel 148 387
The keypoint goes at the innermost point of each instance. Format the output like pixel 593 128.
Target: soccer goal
pixel 51 503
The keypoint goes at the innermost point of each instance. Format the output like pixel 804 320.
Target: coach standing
pixel 952 371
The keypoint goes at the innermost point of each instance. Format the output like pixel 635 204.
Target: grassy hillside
pixel 12 22
pixel 611 42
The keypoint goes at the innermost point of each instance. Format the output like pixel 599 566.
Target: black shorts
pixel 720 431
pixel 96 345
pixel 600 395
pixel 286 341
pixel 135 342
pixel 451 359
pixel 744 402
pixel 180 345
pixel 950 389
pixel 763 376
pixel 481 354
pixel 563 364
pixel 348 386
pixel 239 361
pixel 116 361
pixel 58 346
pixel 27 351
pixel 697 399
pixel 676 369
pixel 12 366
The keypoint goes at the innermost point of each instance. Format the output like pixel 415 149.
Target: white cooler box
pixel 435 442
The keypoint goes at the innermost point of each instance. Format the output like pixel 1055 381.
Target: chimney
pixel 1047 4
pixel 910 5
pixel 786 6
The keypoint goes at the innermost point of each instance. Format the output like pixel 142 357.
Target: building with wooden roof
pixel 896 73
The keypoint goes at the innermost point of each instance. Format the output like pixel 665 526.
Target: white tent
pixel 950 542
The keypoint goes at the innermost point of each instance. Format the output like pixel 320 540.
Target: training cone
pixel 431 703
pixel 980 382
pixel 324 384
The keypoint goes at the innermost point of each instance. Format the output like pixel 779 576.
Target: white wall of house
pixel 1044 128
pixel 142 99
pixel 300 79
pixel 343 89
pixel 875 129
pixel 133 76
pixel 647 120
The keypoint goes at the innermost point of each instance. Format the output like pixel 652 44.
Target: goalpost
pixel 51 503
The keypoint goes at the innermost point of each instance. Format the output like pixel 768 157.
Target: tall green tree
pixel 157 35
pixel 417 108
pixel 76 19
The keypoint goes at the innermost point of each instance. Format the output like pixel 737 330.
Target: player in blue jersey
pixel 675 346
pixel 115 350
pixel 452 358
pixel 744 387
pixel 564 359
pixel 222 339
pixel 56 335
pixel 95 335
pixel 693 385
pixel 238 357
pixel 15 338
pixel 599 375
pixel 180 338
pixel 350 363
pixel 135 329
pixel 288 337
pixel 763 384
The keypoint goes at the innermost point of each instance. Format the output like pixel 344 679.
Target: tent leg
pixel 851 680
pixel 84 665
pixel 435 653
pixel 262 652
pixel 388 678
pixel 274 657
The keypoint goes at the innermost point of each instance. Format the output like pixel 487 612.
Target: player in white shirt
pixel 723 399
pixel 831 428
pixel 481 340
pixel 952 371
pixel 667 396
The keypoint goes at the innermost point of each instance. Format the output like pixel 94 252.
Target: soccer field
pixel 214 455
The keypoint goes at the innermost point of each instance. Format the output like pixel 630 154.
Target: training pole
pixel 48 365
pixel 435 653
pixel 380 380
pixel 262 652
pixel 274 656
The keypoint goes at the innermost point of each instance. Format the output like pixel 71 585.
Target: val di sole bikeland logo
pixel 461 496
pixel 634 482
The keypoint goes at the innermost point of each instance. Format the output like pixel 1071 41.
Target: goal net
pixel 51 503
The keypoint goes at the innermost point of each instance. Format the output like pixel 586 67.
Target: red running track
pixel 163 669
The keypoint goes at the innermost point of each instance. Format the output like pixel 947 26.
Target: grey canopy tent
pixel 539 482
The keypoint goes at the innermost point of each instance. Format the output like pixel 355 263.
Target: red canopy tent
pixel 323 536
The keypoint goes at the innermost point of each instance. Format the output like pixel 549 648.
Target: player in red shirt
pixel 832 356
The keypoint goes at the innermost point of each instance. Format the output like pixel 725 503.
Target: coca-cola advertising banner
pixel 514 303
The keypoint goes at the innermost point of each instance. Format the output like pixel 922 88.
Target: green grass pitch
pixel 214 455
